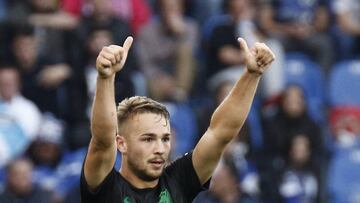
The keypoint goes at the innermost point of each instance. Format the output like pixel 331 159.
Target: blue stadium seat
pixel 345 83
pixel 344 175
pixel 302 71
pixel 183 122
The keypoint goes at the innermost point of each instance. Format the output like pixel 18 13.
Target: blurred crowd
pixel 300 143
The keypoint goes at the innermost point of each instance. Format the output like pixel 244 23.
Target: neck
pixel 134 180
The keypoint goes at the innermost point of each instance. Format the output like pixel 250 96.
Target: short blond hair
pixel 139 104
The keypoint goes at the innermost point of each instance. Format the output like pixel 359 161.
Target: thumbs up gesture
pixel 112 58
pixel 258 58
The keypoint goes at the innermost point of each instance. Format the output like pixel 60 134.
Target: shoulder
pixel 184 159
pixel 22 101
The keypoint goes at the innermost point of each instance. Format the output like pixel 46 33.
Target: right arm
pixel 101 154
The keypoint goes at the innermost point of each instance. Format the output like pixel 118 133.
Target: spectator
pixel 301 26
pixel 43 82
pixel 300 181
pixel 103 26
pixel 224 52
pixel 169 68
pixel 50 25
pixel 55 168
pixel 348 21
pixel 224 186
pixel 291 119
pixel 136 12
pixel 22 110
pixel 20 118
pixel 19 187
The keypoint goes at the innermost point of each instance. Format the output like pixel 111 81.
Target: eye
pixel 166 139
pixel 148 139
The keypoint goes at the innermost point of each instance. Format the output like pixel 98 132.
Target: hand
pixel 53 75
pixel 258 59
pixel 176 24
pixel 112 58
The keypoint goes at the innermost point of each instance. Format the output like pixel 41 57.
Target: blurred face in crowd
pixel 98 40
pixel 102 7
pixel 223 182
pixel 170 7
pixel 171 12
pixel 19 178
pixel 44 5
pixel 146 145
pixel 46 153
pixel 300 150
pixel 25 50
pixel 293 102
pixel 238 6
pixel 9 83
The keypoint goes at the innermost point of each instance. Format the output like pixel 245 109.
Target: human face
pixel 294 102
pixel 25 50
pixel 19 178
pixel 148 145
pixel 98 40
pixel 300 150
pixel 9 84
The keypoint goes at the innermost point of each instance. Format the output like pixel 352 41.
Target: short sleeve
pixel 94 196
pixel 183 171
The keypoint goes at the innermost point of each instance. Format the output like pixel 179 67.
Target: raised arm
pixel 231 114
pixel 102 150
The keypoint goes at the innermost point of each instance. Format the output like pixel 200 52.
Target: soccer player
pixel 139 128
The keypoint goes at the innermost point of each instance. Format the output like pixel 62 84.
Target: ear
pixel 121 144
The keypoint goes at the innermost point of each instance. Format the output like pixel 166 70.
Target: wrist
pixel 254 73
pixel 105 77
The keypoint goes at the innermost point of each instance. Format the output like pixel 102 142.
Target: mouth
pixel 157 163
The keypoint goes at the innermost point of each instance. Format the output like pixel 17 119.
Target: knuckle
pixel 105 48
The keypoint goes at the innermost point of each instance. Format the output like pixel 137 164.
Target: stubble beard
pixel 143 174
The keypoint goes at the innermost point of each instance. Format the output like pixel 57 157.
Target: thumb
pixel 243 45
pixel 127 44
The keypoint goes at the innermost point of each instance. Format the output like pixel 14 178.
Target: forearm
pixel 60 20
pixel 231 114
pixel 104 117
pixel 230 56
pixel 185 67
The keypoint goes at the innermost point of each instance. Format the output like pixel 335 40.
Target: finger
pixel 243 45
pixel 269 60
pixel 116 50
pixel 260 57
pixel 260 60
pixel 105 63
pixel 127 44
pixel 109 56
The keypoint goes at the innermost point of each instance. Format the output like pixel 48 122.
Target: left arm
pixel 231 114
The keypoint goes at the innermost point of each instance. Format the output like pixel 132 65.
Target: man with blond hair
pixel 140 130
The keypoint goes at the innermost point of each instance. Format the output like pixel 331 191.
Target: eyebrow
pixel 154 135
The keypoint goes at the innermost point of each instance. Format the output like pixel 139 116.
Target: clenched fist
pixel 112 58
pixel 258 58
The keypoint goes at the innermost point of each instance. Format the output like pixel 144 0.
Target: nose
pixel 160 147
